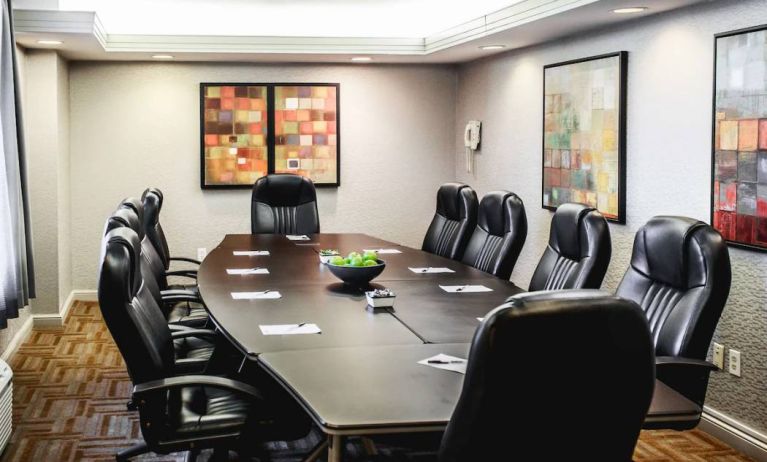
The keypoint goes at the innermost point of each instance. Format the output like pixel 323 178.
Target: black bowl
pixel 357 275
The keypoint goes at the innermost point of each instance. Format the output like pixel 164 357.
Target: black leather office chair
pixel 453 222
pixel 680 275
pixel 557 401
pixel 176 412
pixel 499 236
pixel 578 253
pixel 283 203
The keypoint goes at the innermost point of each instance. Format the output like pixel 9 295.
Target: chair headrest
pixel 124 217
pixel 567 229
pixel 154 192
pixel 152 204
pixel 284 190
pixel 120 274
pixel 135 205
pixel 497 210
pixel 666 250
pixel 450 200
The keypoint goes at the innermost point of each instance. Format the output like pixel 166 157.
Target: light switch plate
pixel 734 362
pixel 718 356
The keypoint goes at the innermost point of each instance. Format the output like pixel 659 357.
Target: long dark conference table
pixel 360 376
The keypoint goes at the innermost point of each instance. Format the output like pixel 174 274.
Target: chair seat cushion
pixel 205 410
pixel 189 314
pixel 193 348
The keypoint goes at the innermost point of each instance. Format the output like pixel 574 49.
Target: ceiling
pixel 388 31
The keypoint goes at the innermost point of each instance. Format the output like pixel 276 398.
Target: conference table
pixel 360 375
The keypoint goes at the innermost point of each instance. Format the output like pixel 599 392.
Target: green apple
pixel 370 255
pixel 338 261
pixel 354 255
pixel 347 261
pixel 370 263
pixel 357 261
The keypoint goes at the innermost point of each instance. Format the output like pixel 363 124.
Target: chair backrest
pixel 130 313
pixel 148 250
pixel 680 275
pixel 499 236
pixel 556 401
pixel 453 222
pixel 578 253
pixel 283 203
pixel 152 199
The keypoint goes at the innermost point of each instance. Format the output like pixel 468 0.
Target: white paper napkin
pixel 251 253
pixel 263 295
pixel 247 271
pixel 289 329
pixel 382 251
pixel 446 362
pixel 297 237
pixel 466 288
pixel 431 270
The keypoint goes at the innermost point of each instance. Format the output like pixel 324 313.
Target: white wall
pixel 669 156
pixel 135 125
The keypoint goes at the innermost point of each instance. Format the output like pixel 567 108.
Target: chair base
pixel 133 451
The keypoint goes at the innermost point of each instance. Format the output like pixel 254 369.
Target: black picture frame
pixel 717 37
pixel 621 138
pixel 270 136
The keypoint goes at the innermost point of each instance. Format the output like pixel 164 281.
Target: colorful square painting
pixel 249 130
pixel 584 130
pixel 234 134
pixel 739 163
pixel 306 131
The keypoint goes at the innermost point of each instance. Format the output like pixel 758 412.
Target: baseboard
pixel 17 339
pixel 57 320
pixel 745 439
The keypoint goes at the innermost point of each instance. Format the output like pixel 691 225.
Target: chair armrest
pixel 179 334
pixel 661 361
pixel 178 327
pixel 188 260
pixel 169 383
pixel 172 296
pixel 191 274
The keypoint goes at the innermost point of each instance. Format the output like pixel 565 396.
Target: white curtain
pixel 16 268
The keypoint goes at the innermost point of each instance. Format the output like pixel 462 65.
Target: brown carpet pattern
pixel 71 388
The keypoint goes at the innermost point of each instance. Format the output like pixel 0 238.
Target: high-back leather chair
pixel 283 203
pixel 152 200
pixel 499 236
pixel 550 404
pixel 578 253
pixel 176 413
pixel 453 222
pixel 680 275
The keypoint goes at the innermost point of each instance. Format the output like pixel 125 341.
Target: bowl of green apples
pixel 357 269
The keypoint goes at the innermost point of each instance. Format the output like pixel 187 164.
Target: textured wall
pixel 137 124
pixel 669 132
pixel 63 185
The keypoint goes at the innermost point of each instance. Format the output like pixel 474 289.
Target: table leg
pixel 335 448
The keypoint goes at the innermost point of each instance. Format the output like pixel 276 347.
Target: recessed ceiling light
pixel 50 42
pixel 629 10
pixel 492 47
pixel 362 59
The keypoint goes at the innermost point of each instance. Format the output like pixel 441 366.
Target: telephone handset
pixel 471 136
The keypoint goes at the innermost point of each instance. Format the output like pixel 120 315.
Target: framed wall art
pixel 248 130
pixel 739 145
pixel 584 134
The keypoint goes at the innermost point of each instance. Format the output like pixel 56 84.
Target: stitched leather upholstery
pixel 545 405
pixel 578 253
pixel 499 236
pixel 283 203
pixel 453 222
pixel 680 275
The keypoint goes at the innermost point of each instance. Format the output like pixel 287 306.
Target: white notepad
pixel 251 253
pixel 446 362
pixel 431 270
pixel 263 295
pixel 297 237
pixel 247 271
pixel 466 288
pixel 289 329
pixel 382 251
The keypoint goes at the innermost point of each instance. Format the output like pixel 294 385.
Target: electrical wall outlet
pixel 718 356
pixel 201 252
pixel 734 362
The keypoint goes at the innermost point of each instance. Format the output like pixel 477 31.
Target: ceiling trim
pixel 72 22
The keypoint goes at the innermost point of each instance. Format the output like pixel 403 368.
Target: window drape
pixel 16 266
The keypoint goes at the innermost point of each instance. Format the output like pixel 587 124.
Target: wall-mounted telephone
pixel 471 142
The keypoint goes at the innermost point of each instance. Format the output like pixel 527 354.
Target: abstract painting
pixel 739 161
pixel 584 133
pixel 249 130
pixel 306 131
pixel 234 134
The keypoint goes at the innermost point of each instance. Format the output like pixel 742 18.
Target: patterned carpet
pixel 71 388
